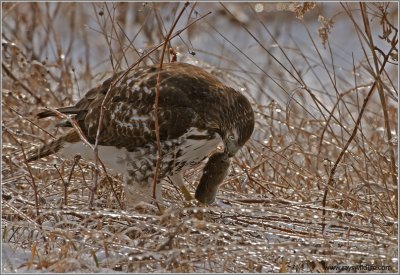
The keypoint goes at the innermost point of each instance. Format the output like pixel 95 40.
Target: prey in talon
pixel 214 173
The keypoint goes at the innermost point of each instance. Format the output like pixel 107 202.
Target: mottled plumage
pixel 196 113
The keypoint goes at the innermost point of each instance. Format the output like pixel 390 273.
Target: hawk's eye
pixel 231 137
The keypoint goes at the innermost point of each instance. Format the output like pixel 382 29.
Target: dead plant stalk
pixel 33 182
pixel 353 134
pixel 156 125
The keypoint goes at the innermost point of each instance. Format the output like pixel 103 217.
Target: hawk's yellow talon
pixel 186 193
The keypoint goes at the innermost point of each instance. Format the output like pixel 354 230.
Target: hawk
pixel 196 114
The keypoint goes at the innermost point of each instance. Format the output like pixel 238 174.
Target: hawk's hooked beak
pixel 231 147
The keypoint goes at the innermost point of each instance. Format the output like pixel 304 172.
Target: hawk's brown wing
pixel 129 113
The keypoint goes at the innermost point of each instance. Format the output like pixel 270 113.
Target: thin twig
pixel 33 182
pixel 156 125
pixel 26 88
pixel 353 134
pixel 65 185
pixel 29 120
pixel 84 140
pixel 381 93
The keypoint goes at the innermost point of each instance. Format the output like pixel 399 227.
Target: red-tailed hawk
pixel 196 114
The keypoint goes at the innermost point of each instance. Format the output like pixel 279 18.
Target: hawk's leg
pixel 177 180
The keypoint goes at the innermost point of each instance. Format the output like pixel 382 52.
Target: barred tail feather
pixel 54 146
pixel 70 110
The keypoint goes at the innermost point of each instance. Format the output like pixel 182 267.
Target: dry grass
pixel 315 187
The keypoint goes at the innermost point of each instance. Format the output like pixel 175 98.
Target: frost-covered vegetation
pixel 314 188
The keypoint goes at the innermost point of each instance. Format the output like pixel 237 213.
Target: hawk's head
pixel 231 143
pixel 239 124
